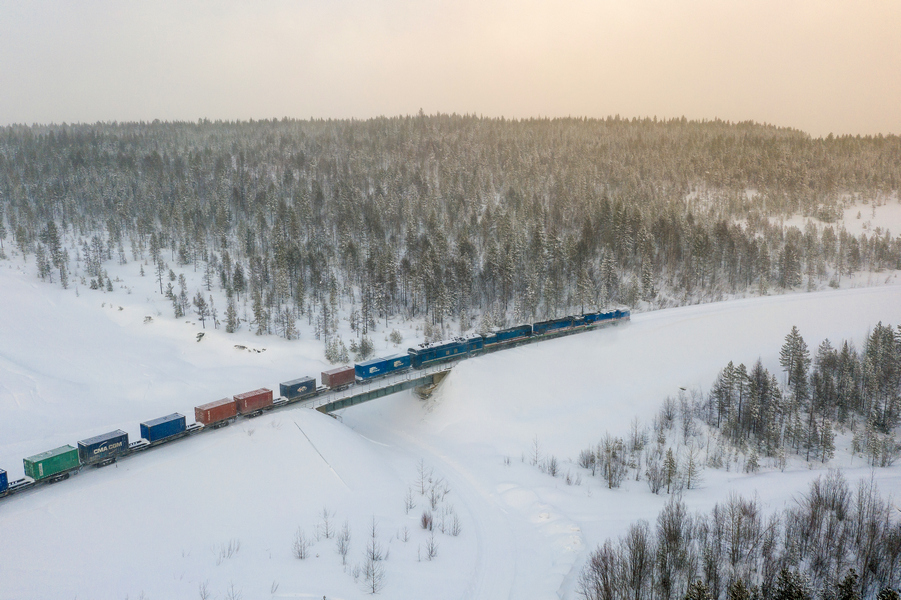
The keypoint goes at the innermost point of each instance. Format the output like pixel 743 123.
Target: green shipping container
pixel 50 463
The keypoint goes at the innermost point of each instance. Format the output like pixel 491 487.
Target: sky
pixel 821 66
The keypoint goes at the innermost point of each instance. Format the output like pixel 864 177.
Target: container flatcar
pixel 297 388
pixel 338 378
pixel 4 482
pixel 216 413
pixel 377 367
pixel 52 464
pixel 255 401
pixel 163 428
pixel 103 449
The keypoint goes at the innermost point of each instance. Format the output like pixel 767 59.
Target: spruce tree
pixel 201 308
pixel 231 315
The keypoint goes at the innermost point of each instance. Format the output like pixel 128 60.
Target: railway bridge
pixel 423 381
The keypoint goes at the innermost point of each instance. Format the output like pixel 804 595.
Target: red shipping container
pixel 255 400
pixel 338 377
pixel 214 412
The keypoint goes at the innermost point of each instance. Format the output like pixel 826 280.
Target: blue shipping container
pixel 162 428
pixel 103 447
pixel 4 482
pixel 381 366
pixel 297 387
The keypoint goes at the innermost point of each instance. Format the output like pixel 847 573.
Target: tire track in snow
pixel 494 573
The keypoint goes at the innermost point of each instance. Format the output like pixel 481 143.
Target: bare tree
pixel 204 590
pixel 301 544
pixel 374 576
pixel 343 542
pixel 233 593
pixel 424 477
pixel 373 547
pixel 431 547
pixel 326 529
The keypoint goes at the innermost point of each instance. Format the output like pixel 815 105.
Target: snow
pixel 160 523
pixel 860 217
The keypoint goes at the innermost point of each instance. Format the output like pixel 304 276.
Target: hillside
pixel 165 522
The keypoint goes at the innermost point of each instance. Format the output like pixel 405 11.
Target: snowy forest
pixel 837 387
pixel 462 222
pixel 834 542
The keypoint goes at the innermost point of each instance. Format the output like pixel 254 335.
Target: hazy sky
pixel 821 66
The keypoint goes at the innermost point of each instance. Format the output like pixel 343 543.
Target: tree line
pixel 837 386
pixel 832 543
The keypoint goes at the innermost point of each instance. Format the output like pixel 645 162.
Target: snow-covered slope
pixel 161 523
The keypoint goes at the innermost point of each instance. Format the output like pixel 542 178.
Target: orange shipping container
pixel 220 410
pixel 338 377
pixel 252 401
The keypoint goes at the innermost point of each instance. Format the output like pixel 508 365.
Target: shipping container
pixel 339 377
pixel 297 387
pixel 215 412
pixel 382 366
pixel 50 463
pixel 162 428
pixel 249 402
pixel 4 482
pixel 103 448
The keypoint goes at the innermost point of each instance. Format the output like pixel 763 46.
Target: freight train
pixel 59 463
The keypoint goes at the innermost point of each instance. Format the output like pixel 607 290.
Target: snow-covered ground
pixel 858 218
pixel 166 522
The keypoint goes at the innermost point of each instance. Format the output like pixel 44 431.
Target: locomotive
pixel 59 463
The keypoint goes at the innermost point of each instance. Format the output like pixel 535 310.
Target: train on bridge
pixel 60 463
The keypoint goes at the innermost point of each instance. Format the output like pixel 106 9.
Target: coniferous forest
pixel 460 221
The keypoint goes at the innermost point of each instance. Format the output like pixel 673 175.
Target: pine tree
pixel 697 590
pixel 847 587
pixel 738 591
pixel 201 308
pixel 791 585
pixel 238 282
pixel 160 271
pixel 231 316
pixel 214 314
pixel 260 316
pixel 43 262
pixel 670 469
pixel 290 325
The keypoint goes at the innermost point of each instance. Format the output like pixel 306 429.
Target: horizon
pixel 616 118
pixel 819 68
